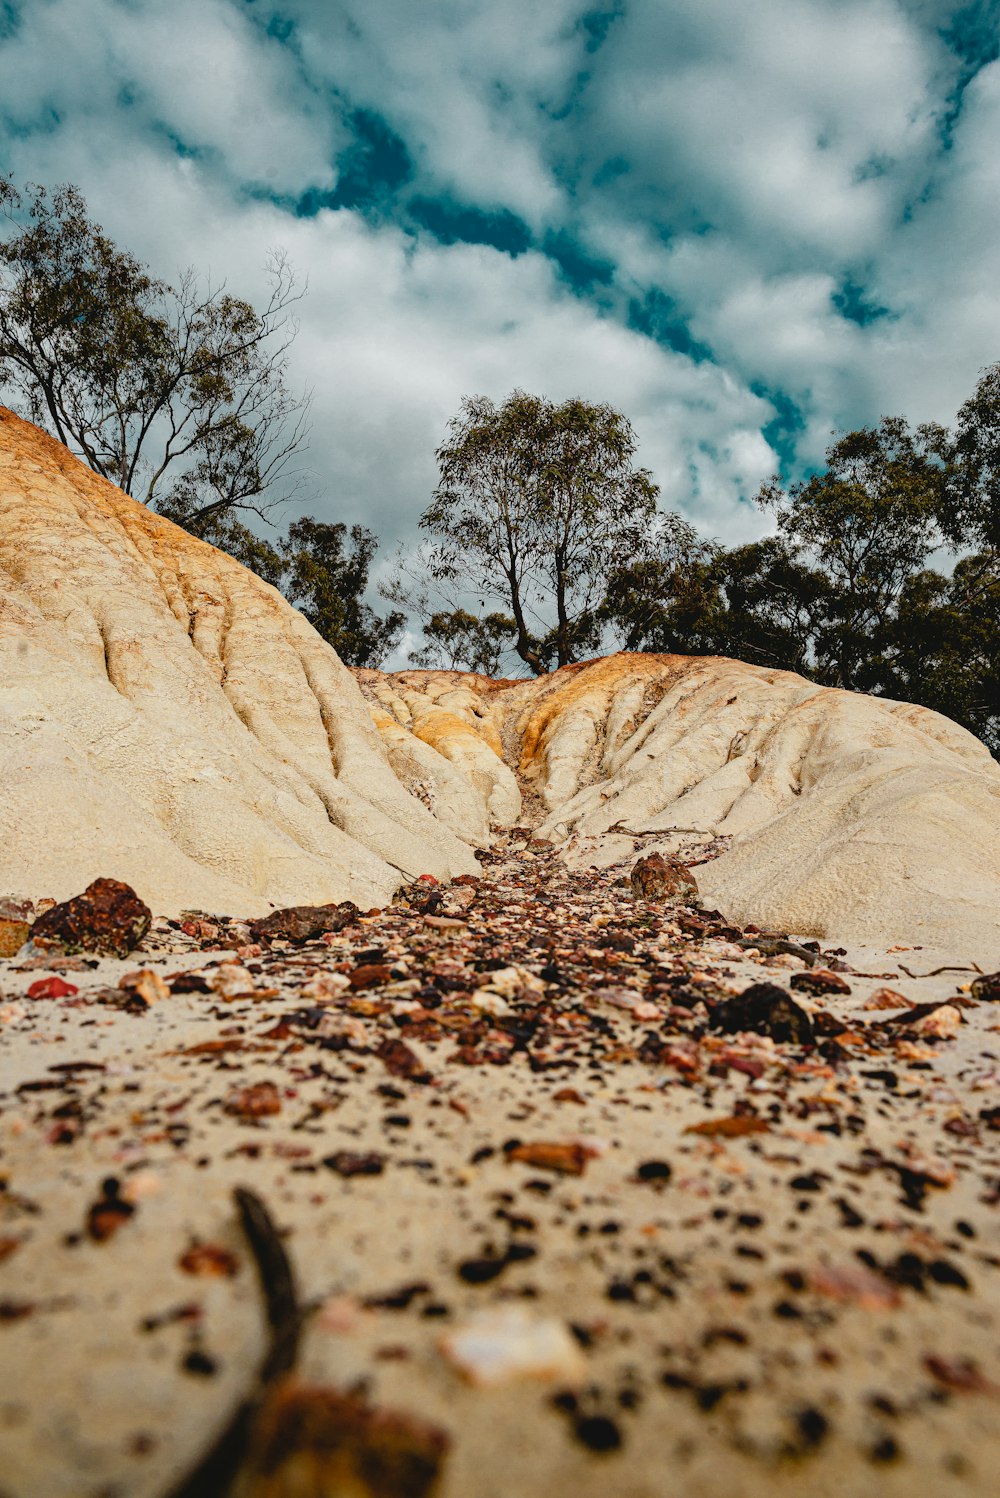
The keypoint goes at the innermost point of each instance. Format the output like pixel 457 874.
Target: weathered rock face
pixel 828 813
pixel 167 719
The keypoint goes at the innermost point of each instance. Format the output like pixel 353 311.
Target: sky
pixel 744 225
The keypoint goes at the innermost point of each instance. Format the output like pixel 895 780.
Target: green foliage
pixel 536 505
pixel 325 574
pixel 947 645
pixel 457 640
pixel 866 524
pixel 971 510
pixel 176 394
pixel 842 593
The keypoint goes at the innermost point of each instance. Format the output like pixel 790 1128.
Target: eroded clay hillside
pixel 168 719
pixel 807 809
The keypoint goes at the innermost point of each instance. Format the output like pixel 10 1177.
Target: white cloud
pixel 802 135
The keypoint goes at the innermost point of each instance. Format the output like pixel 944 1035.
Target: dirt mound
pixel 166 718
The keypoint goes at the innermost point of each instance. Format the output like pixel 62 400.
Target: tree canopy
pixel 541 509
pixel 177 394
pixel 536 504
pixel 843 593
pixel 325 574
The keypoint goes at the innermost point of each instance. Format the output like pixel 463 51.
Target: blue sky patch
pixel 852 302
pixel 583 272
pixel 452 223
pixel 784 428
pixel 10 19
pixel 657 316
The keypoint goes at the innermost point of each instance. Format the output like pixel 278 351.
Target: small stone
pixel 507 1344
pixel 987 988
pixel 346 1163
pixel 765 1009
pixel 52 988
pixel 108 1213
pixel 13 909
pixel 146 985
pixel 597 1432
pixel 370 975
pixel 820 980
pixel 302 922
pixel 108 919
pixel 400 1061
pixel 886 998
pixel 13 935
pixel 941 1024
pixel 259 1100
pixel 565 1159
pixel 209 1261
pixel 654 1170
pixel 659 878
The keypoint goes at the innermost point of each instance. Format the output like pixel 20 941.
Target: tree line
pixel 544 540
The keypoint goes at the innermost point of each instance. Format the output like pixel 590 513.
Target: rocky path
pixel 582 1194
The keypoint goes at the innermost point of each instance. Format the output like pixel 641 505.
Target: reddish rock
pixel 13 909
pixel 108 919
pixel 400 1061
pixel 370 975
pixel 108 1213
pixel 51 988
pixel 659 878
pixel 259 1100
pixel 302 922
pixel 566 1159
pixel 209 1261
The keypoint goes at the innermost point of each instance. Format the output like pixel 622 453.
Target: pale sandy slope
pixel 839 815
pixel 168 719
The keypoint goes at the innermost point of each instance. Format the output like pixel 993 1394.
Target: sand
pixel 810 1308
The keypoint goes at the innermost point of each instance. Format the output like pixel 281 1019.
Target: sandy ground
pixel 807 1306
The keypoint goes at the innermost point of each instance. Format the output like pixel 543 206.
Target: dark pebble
pixel 598 1433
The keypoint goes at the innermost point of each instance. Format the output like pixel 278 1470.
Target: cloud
pixel 744 226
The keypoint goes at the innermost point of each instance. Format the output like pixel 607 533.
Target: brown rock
pixel 301 922
pixel 768 1010
pixel 13 909
pixel 736 1127
pixel 145 985
pixel 987 988
pixel 108 919
pixel 351 1163
pixel 400 1061
pixel 659 878
pixel 319 1440
pixel 820 980
pixel 259 1100
pixel 886 998
pixel 108 1213
pixel 13 935
pixel 209 1261
pixel 370 975
pixel 565 1159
